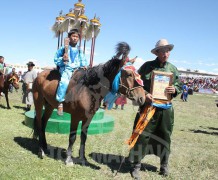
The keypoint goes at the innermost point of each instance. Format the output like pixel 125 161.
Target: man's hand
pixel 170 90
pixel 149 98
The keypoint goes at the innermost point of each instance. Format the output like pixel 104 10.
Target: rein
pixel 13 80
pixel 128 90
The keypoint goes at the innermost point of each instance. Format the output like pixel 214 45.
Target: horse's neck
pixel 111 68
pixel 108 73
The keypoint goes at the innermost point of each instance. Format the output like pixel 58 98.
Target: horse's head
pixel 131 85
pixel 13 79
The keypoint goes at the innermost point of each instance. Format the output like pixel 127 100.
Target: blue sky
pixel 191 25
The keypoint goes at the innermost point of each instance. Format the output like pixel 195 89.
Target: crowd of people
pixel 198 83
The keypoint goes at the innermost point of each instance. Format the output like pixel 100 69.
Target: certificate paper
pixel 161 80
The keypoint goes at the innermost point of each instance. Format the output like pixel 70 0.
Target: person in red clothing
pixel 121 100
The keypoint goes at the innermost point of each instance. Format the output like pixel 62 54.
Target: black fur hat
pixel 73 31
pixel 30 63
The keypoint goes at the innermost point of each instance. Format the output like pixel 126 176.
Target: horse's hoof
pixel 41 154
pixel 69 161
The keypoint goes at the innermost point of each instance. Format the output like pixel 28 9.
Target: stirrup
pixel 60 109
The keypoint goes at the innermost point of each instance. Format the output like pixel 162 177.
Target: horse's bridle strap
pixel 128 90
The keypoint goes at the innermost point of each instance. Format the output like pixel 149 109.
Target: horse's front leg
pixel 84 132
pixel 6 97
pixel 72 139
pixel 42 138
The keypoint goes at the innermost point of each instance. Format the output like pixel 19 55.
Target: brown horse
pixel 84 94
pixel 6 81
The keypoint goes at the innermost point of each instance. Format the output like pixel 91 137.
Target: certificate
pixel 159 81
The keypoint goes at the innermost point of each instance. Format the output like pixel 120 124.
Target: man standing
pixel 2 65
pixel 2 73
pixel 13 71
pixel 28 79
pixel 67 62
pixel 156 137
pixel 185 89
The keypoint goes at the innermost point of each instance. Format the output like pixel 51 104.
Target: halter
pixel 128 90
pixel 13 80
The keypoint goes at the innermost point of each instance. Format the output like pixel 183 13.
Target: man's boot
pixel 134 171
pixel 164 171
pixel 164 165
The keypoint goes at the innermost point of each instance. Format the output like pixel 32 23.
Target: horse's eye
pixel 129 75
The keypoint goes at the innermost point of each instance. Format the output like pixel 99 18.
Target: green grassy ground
pixel 194 145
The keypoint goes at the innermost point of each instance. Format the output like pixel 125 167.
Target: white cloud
pixel 182 69
pixel 139 62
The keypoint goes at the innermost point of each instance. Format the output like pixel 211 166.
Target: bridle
pixel 13 80
pixel 128 90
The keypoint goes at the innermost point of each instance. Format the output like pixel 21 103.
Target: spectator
pixel 10 85
pixel 2 72
pixel 28 79
pixel 2 65
pixel 184 95
pixel 121 100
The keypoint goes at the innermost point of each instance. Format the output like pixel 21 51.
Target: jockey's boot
pixel 134 171
pixel 60 109
pixel 122 107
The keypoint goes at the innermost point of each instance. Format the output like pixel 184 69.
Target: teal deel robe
pixel 76 60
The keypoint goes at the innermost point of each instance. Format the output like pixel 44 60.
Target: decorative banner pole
pixel 55 27
pixel 76 19
pixel 83 26
pixel 66 25
pixel 94 30
pixel 68 22
pixel 82 20
pixel 78 7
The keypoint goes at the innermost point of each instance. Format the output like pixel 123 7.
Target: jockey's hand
pixel 84 67
pixel 170 90
pixel 65 58
pixel 148 98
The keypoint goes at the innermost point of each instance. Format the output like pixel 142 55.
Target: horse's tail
pixel 122 48
pixel 35 98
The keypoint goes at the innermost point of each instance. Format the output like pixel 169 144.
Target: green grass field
pixel 194 145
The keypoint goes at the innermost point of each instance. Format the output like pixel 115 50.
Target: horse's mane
pixel 91 75
pixel 108 69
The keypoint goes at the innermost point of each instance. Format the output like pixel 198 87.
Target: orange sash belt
pixel 143 121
